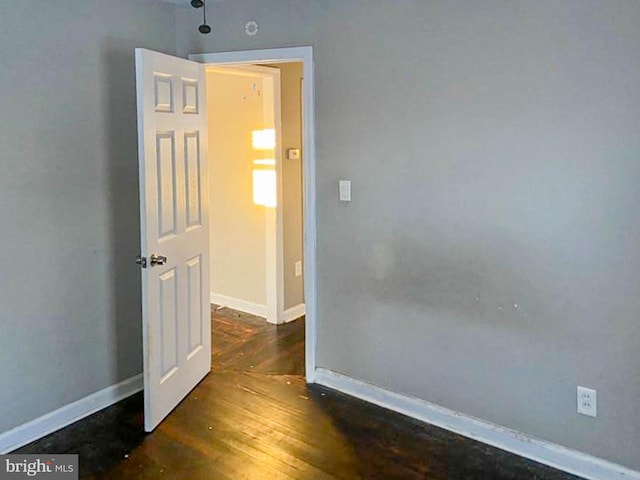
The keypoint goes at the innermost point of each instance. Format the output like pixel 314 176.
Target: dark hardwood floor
pixel 243 342
pixel 254 417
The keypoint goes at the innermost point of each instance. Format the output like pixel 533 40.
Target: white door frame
pixel 288 55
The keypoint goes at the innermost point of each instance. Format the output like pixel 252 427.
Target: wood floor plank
pixel 254 417
pixel 268 429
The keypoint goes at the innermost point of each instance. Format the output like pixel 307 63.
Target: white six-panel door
pixel 174 224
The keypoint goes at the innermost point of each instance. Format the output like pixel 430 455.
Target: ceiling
pixel 186 3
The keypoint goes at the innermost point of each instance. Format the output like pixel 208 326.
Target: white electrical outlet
pixel 298 268
pixel 587 402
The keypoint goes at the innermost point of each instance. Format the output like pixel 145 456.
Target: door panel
pixel 168 316
pixel 166 177
pixel 192 174
pixel 190 97
pixel 194 295
pixel 175 225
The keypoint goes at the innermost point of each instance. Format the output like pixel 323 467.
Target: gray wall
pixel 70 318
pixel 490 259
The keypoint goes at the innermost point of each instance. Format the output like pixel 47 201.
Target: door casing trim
pixel 305 56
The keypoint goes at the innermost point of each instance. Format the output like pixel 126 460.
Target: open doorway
pixel 255 149
pixel 174 218
pixel 308 162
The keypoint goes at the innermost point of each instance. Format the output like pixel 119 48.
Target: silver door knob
pixel 156 259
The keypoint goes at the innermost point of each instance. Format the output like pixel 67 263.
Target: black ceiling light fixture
pixel 204 28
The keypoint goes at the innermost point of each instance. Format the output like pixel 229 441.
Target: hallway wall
pixel 237 237
pixel 291 98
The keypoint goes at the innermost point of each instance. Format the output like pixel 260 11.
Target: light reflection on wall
pixel 267 161
pixel 264 139
pixel 264 188
pixel 264 179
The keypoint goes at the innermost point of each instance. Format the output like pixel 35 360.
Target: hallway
pixel 243 342
pixel 254 417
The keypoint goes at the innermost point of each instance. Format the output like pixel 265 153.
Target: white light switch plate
pixel 298 269
pixel 345 190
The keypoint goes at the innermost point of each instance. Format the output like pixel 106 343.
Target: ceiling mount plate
pixel 251 28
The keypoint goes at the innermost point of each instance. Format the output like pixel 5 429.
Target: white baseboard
pixel 556 456
pixel 60 418
pixel 241 305
pixel 293 313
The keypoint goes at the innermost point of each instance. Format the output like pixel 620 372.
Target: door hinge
pixel 142 261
